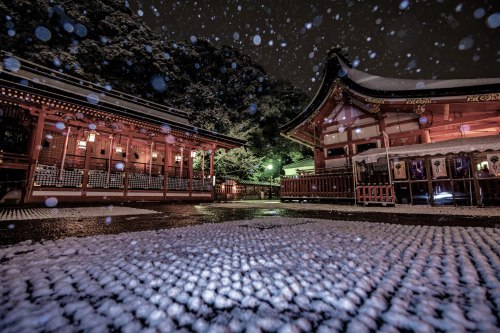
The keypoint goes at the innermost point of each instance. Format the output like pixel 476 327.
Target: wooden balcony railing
pixel 11 160
pixel 334 185
pixel 375 194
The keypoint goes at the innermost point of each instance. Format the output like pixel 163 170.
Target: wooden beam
pixel 495 126
pixel 490 117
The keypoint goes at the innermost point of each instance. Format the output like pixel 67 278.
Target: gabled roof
pixel 338 72
pixel 392 85
pixel 382 87
pixel 38 80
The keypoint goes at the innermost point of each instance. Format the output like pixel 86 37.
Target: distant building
pixel 299 168
pixel 233 188
pixel 442 139
pixel 66 140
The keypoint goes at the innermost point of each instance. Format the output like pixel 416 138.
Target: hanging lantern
pixel 193 153
pixel 81 144
pixel 118 149
pixel 177 158
pixel 154 154
pixel 91 137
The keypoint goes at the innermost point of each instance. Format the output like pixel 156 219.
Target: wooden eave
pixel 35 99
pixel 335 88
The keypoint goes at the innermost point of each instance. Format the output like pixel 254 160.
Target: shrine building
pixel 384 140
pixel 63 139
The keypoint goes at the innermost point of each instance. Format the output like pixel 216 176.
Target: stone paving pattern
pixel 271 275
pixel 16 214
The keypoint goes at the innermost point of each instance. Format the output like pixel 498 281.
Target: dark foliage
pixel 103 42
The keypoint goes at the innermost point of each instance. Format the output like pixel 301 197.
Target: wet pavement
pixel 180 215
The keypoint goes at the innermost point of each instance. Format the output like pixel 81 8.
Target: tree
pixel 104 43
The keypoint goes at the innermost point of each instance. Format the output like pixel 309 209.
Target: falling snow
pixel 290 40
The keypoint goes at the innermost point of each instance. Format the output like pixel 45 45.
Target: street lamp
pixel 270 167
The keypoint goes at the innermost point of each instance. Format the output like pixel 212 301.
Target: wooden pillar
pixel 166 164
pixel 429 180
pixel 477 188
pixel 203 168
pixel 182 167
pixel 448 167
pixel 382 127
pixel 150 163
pixel 130 139
pixel 34 154
pixel 190 172
pixel 86 167
pixel 425 136
pixel 408 176
pixel 349 140
pixel 212 177
pixel 212 153
pixel 110 158
pixel 65 150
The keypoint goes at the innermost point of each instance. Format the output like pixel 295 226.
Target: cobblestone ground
pixel 61 213
pixel 272 275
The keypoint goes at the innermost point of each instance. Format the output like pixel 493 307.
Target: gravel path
pixel 273 275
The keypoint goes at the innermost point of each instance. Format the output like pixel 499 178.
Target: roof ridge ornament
pixel 342 52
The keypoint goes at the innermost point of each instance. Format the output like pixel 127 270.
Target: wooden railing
pixel 375 194
pixel 334 185
pixel 13 160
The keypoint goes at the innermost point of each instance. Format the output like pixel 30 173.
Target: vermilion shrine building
pixel 387 140
pixel 64 138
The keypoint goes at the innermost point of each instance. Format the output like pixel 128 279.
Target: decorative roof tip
pixel 340 52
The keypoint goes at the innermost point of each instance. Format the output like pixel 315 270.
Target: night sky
pixel 408 39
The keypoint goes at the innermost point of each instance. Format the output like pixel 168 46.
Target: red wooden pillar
pixel 64 151
pixel 181 168
pixel 190 171
pixel 86 168
pixel 34 154
pixel 130 139
pixel 212 179
pixel 203 168
pixel 110 158
pixel 166 163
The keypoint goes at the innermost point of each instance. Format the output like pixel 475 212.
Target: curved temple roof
pixel 380 83
pixel 39 80
pixel 337 69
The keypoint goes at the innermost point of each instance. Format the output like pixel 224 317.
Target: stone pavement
pixel 16 214
pixel 272 274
